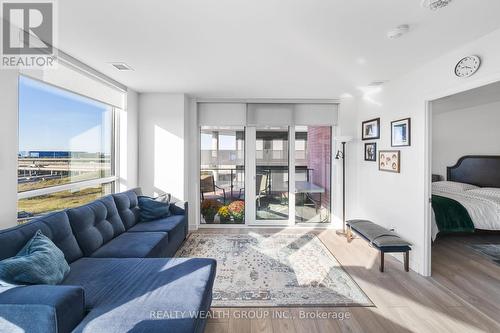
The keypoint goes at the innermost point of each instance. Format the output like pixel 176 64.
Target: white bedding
pixel 482 204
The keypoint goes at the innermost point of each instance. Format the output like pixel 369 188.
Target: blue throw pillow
pixel 153 209
pixel 39 262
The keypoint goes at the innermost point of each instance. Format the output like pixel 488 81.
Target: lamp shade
pixel 343 138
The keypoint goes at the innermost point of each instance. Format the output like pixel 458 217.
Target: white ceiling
pixel 264 48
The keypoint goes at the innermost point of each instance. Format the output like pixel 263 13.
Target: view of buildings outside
pixel 64 138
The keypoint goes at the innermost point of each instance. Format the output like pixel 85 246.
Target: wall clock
pixel 467 66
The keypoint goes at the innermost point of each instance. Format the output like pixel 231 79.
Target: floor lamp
pixel 341 154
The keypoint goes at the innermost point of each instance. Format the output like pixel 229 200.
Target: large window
pixel 66 148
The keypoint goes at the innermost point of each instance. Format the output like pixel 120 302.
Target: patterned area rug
pixel 259 270
pixel 490 251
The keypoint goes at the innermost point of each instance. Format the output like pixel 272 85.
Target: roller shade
pixel 292 114
pixel 71 78
pixel 270 114
pixel 315 114
pixel 267 114
pixel 222 114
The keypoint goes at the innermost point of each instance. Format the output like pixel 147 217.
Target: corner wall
pixel 399 200
pixel 162 142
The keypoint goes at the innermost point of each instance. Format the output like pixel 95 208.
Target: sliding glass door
pixel 313 157
pixel 222 175
pixel 271 174
pixel 265 164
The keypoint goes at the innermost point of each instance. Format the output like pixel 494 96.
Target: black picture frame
pixel 403 138
pixel 373 126
pixel 371 156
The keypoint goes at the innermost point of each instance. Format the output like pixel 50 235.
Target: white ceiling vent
pixel 121 66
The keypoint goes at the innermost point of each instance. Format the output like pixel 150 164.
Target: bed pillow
pixel 151 209
pixel 448 186
pixel 487 191
pixel 39 262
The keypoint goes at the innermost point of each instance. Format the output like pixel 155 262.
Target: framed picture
pixel 401 132
pixel 371 151
pixel 371 129
pixel 389 160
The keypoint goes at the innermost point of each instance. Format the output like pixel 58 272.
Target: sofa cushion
pixel 109 273
pixel 134 245
pixel 95 224
pixel 145 291
pixel 38 262
pixel 55 226
pixel 41 308
pixel 165 224
pixel 152 209
pixel 128 207
pixel 174 225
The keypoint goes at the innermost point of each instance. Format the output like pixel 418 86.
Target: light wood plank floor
pixel 463 295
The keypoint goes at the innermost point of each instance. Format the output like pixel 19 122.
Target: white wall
pixel 398 200
pixel 8 147
pixel 128 144
pixel 162 140
pixel 470 131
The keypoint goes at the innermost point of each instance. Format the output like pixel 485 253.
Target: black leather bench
pixel 381 238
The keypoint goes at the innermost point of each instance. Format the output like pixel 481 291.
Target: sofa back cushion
pixel 55 226
pixel 40 261
pixel 128 207
pixel 95 224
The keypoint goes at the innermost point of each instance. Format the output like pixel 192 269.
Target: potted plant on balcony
pixel 237 210
pixel 210 207
pixel 224 214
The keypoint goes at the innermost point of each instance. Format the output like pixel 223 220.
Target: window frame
pixel 115 156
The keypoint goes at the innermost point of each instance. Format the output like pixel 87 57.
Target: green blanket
pixel 451 216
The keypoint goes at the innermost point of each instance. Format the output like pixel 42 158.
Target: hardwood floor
pixel 463 295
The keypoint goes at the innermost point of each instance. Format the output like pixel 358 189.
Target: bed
pixel 469 199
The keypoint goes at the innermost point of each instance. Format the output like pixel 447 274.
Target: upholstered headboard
pixel 483 171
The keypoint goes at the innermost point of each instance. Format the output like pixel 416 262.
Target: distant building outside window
pixel 66 149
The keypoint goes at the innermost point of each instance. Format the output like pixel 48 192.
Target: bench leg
pixel 381 261
pixel 349 234
pixel 407 261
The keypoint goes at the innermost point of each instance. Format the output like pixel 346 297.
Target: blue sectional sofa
pixel 121 279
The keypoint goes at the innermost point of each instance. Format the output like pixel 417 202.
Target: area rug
pixel 490 251
pixel 267 270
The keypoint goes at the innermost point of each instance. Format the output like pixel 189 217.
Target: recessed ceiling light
pixel 399 31
pixel 435 4
pixel 121 66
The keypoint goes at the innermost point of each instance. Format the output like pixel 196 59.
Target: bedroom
pixel 466 190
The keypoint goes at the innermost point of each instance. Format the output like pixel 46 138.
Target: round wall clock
pixel 467 66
